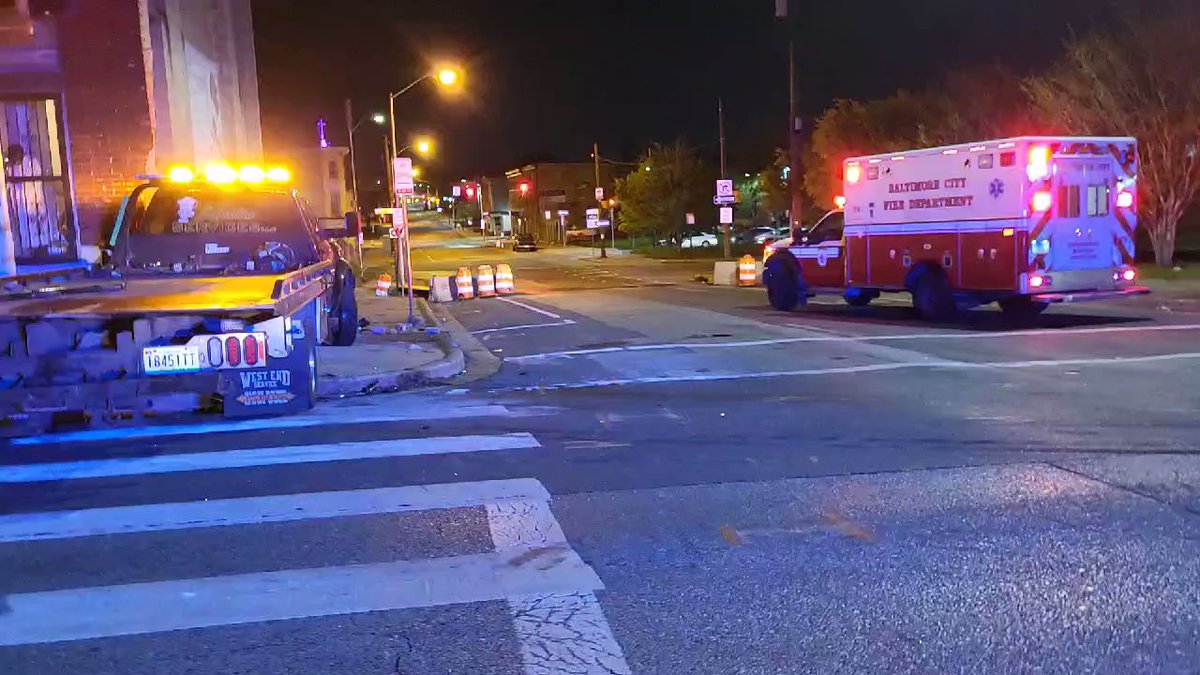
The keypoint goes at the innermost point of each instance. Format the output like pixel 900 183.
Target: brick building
pixel 554 187
pixel 95 92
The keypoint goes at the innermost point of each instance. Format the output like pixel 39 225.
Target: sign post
pixel 402 172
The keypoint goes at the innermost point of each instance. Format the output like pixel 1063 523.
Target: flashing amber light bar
pixel 223 174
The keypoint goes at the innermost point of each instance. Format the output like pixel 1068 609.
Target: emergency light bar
pixel 226 174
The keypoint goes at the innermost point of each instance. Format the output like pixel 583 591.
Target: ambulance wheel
pixel 1022 308
pixel 932 296
pixel 782 277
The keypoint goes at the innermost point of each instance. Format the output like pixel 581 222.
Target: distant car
pixel 699 240
pixel 524 241
pixel 760 235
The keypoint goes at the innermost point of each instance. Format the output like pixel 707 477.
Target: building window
pixel 39 200
pixel 335 204
pixel 333 171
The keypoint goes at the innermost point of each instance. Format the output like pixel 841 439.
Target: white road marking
pixel 257 510
pixel 558 632
pixel 873 368
pixel 529 307
pixel 135 609
pixel 229 459
pixel 564 322
pixel 324 415
pixel 856 338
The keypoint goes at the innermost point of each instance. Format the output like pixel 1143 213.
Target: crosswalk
pixel 518 557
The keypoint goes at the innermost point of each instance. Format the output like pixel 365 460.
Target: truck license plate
pixel 167 360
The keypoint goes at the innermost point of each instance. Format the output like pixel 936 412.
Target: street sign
pixel 603 223
pixel 721 201
pixel 691 219
pixel 564 212
pixel 593 217
pixel 402 169
pixel 724 187
pixel 456 190
pixel 599 194
pixel 726 215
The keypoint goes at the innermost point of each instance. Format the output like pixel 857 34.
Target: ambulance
pixel 1022 222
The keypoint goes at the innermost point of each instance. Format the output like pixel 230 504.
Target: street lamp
pixel 446 77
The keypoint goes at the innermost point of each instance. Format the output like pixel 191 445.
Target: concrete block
pixel 90 340
pixel 725 273
pixel 143 332
pixel 439 290
pixel 45 337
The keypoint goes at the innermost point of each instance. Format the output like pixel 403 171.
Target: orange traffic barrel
pixel 383 285
pixel 485 282
pixel 747 271
pixel 505 284
pixel 464 284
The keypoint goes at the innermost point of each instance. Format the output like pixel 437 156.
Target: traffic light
pixel 469 191
pixel 524 187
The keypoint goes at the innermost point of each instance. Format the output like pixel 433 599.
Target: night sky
pixel 547 78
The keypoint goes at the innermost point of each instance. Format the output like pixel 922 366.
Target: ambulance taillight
pixel 1039 162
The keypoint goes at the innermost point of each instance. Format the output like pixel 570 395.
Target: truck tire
pixel 343 328
pixel 860 298
pixel 1021 308
pixel 785 287
pixel 932 297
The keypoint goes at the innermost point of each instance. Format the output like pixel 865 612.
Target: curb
pixel 446 368
pixel 480 362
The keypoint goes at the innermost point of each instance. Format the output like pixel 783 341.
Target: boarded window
pixel 39 199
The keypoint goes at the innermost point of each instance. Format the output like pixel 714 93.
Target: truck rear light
pixel 1038 281
pixel 1125 199
pixel 1039 162
pixel 1042 201
pixel 233 351
pixel 250 349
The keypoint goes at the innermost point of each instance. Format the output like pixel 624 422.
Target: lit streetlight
pixel 447 78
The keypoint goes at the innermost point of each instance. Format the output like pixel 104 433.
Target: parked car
pixel 524 241
pixel 699 240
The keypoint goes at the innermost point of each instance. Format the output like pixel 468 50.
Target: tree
pixel 1140 82
pixel 669 182
pixel 751 191
pixel 775 184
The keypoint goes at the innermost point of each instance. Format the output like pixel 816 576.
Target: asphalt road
pixel 663 477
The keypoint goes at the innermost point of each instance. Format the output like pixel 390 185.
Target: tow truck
pixel 1023 222
pixel 217 288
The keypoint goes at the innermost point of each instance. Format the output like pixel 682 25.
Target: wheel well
pixel 920 269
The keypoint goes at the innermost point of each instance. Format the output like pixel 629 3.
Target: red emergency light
pixel 1042 201
pixel 1125 199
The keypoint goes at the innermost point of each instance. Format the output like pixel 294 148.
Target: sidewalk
pixel 385 357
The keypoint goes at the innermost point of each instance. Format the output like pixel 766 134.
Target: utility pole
pixel 358 249
pixel 795 177
pixel 725 227
pixel 599 202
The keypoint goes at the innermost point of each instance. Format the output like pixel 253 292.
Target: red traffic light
pixel 524 187
pixel 470 192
